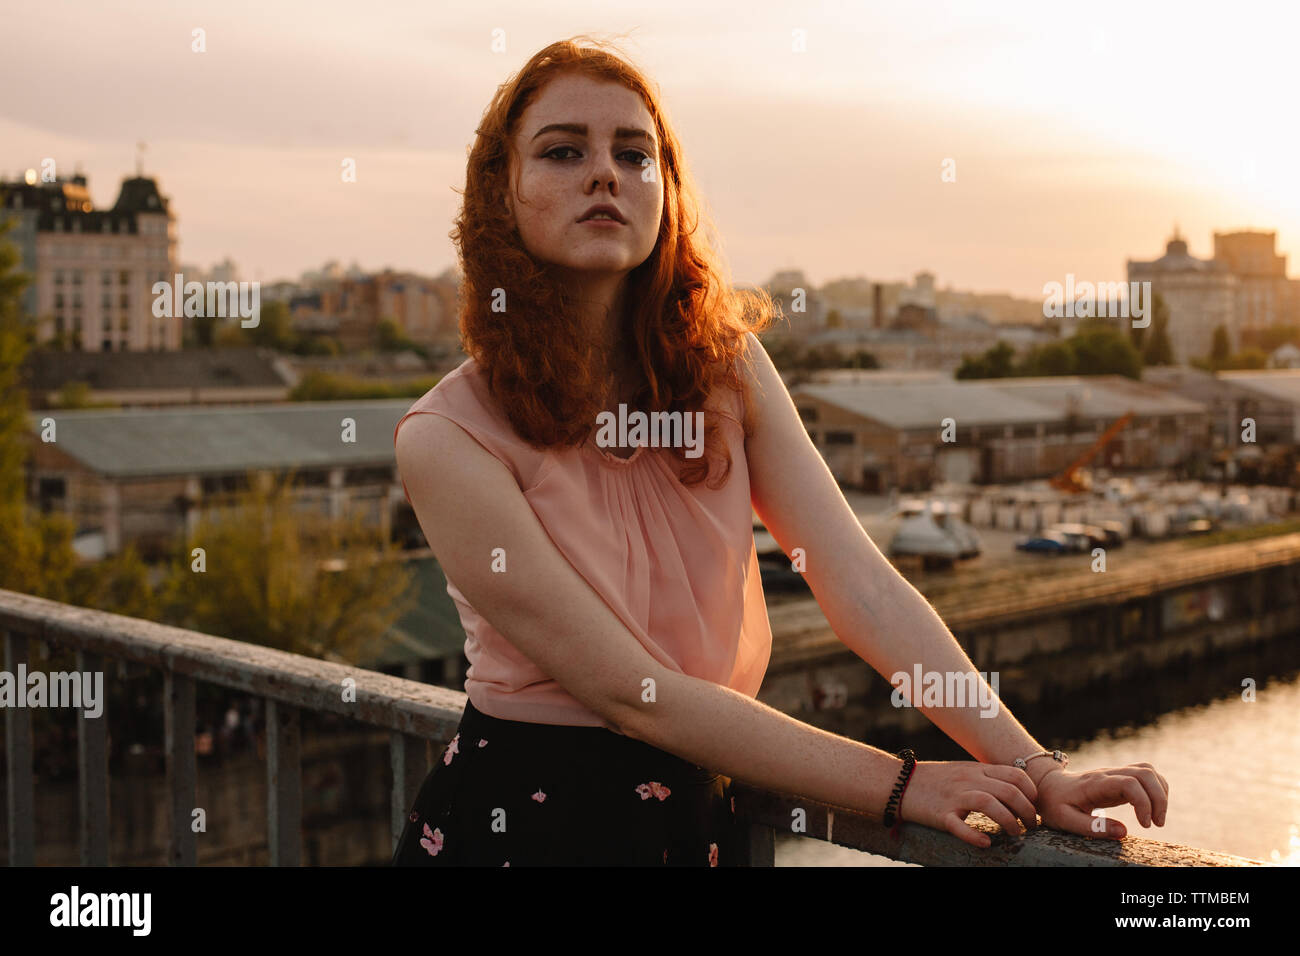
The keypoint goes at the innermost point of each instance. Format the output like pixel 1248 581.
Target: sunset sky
pixel 1080 136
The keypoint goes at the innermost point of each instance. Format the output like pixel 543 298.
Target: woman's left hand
pixel 1066 800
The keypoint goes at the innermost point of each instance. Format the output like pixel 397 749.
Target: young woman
pixel 609 590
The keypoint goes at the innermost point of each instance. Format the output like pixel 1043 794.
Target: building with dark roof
pixel 93 270
pixel 879 433
pixel 143 475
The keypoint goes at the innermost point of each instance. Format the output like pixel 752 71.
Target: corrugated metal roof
pixel 1278 383
pixel 925 405
pixel 1098 396
pixel 1000 401
pixel 201 440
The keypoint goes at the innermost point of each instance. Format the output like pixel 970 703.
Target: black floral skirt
pixel 512 793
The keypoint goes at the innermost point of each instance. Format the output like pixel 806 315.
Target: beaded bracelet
pixel 896 797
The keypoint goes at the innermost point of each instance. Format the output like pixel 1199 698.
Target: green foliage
pixel 1271 338
pixel 1248 358
pixel 1096 348
pixel 274 576
pixel 788 355
pixel 1153 341
pixel 996 362
pixel 277 575
pixel 1220 348
pixel 317 386
pixel 391 338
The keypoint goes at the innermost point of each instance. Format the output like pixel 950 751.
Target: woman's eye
pixel 638 160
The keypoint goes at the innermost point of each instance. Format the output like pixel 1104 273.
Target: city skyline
pixel 1057 170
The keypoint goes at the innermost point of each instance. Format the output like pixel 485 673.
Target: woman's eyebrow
pixel 580 129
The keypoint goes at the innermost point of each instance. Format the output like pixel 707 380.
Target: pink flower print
pixel 414 816
pixel 452 748
pixel 653 789
pixel 482 742
pixel 539 796
pixel 506 863
pixel 432 840
pixel 713 854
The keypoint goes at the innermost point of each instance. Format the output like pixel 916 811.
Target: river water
pixel 1233 769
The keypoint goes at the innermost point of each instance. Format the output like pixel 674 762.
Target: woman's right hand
pixel 941 794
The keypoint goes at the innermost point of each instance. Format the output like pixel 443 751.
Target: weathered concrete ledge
pixel 927 847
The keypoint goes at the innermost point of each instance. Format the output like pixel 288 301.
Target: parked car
pixel 1114 533
pixel 1079 537
pixel 1047 543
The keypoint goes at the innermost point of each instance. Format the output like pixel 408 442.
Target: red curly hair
pixel 685 323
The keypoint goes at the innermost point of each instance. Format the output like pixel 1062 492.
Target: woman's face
pixel 584 142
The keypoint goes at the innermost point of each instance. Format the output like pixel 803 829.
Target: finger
pixel 1073 820
pixel 964 832
pixel 992 808
pixel 1013 797
pixel 1163 782
pixel 1156 796
pixel 1136 795
pixel 1013 775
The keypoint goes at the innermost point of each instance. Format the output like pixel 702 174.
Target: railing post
pixel 178 735
pixel 410 760
pixel 92 772
pixel 760 845
pixel 284 783
pixel 18 760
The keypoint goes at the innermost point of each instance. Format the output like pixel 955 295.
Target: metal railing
pixel 415 715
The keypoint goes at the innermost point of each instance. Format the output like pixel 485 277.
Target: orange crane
pixel 1068 480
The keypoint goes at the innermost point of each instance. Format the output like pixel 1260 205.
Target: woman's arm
pixel 468 503
pixel 872 608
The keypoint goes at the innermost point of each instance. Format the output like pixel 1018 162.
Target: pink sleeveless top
pixel 676 564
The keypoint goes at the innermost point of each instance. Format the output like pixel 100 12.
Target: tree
pixel 997 362
pixel 36 552
pixel 273 330
pixel 390 336
pixel 271 573
pixel 1101 350
pixel 863 359
pixel 1220 349
pixel 1096 348
pixel 1248 358
pixel 1157 350
pixel 1054 358
pixel 14 345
